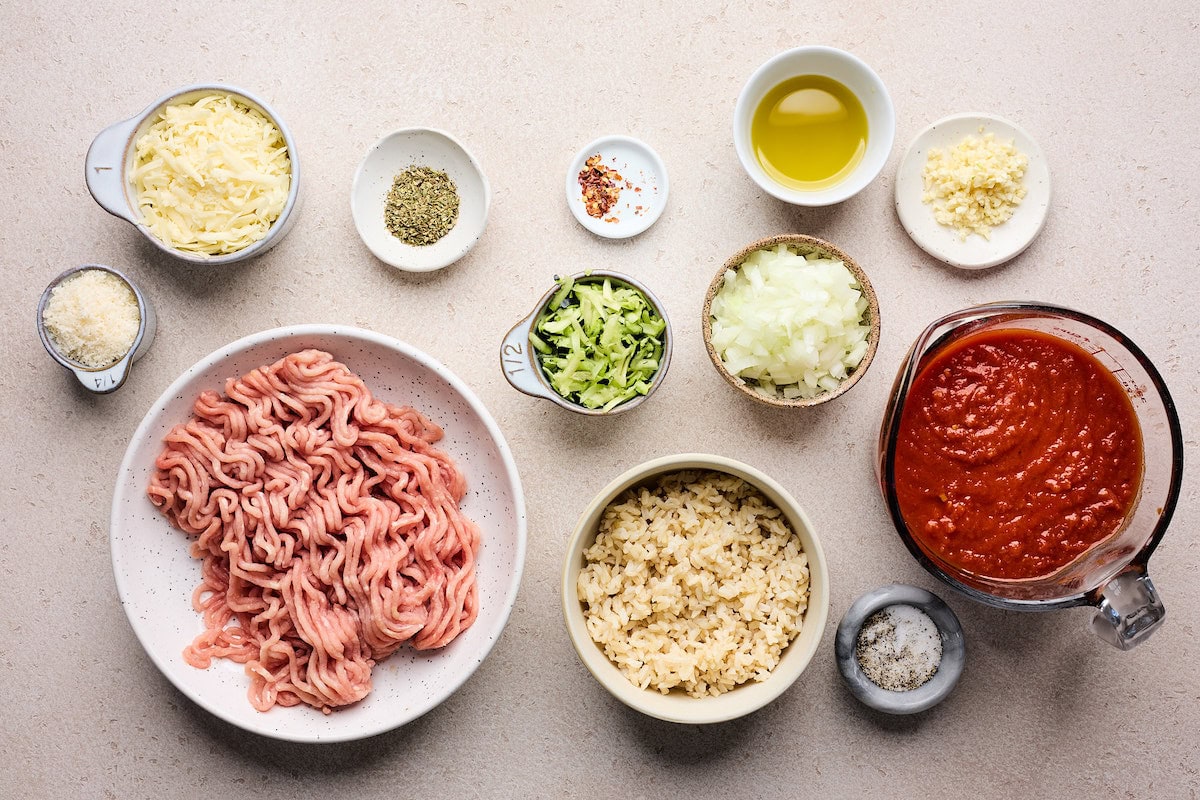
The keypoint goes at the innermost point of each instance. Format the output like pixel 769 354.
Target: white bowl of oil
pixel 813 126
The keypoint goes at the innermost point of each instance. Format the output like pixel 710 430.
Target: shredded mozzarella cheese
pixel 975 185
pixel 211 176
pixel 92 318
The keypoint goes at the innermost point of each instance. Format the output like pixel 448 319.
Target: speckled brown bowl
pixel 802 245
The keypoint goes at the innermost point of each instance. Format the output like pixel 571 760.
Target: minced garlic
pixel 975 185
pixel 92 317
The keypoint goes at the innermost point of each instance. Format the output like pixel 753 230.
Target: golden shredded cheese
pixel 211 176
pixel 92 318
pixel 975 185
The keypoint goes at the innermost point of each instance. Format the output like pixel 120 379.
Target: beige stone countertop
pixel 1044 709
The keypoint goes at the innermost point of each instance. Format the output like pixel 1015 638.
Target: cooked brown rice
pixel 695 581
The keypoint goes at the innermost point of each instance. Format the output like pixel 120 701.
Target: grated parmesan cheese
pixel 211 176
pixel 92 318
pixel 975 185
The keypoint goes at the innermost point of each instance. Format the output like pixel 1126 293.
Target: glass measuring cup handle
pixel 1128 609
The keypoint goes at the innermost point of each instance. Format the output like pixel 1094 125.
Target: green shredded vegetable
pixel 599 343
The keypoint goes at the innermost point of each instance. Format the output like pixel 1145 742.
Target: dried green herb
pixel 422 206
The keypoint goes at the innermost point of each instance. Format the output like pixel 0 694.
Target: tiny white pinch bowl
pixel 390 156
pixel 848 70
pixel 1009 239
pixel 637 163
pixel 156 575
pixel 677 706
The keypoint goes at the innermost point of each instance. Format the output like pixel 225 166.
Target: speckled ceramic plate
pixel 155 575
pixel 1008 240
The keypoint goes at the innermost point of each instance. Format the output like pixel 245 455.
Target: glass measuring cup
pixel 1112 575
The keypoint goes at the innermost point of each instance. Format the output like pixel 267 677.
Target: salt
pixel 899 648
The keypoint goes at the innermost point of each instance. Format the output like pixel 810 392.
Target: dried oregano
pixel 422 205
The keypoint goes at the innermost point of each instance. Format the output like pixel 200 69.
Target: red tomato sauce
pixel 1017 452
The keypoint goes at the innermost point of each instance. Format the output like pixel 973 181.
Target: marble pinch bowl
pixel 798 243
pixel 391 155
pixel 678 706
pixel 954 650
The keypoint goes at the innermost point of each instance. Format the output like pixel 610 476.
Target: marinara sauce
pixel 1017 452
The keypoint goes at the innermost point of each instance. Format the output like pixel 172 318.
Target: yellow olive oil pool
pixel 809 132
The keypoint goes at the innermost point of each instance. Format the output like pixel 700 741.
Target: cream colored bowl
pixel 678 706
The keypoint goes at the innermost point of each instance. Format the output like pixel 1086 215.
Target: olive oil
pixel 809 132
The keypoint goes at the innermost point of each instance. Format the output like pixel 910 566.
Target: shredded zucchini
pixel 599 342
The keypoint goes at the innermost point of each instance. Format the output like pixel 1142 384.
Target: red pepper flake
pixel 601 187
pixel 611 219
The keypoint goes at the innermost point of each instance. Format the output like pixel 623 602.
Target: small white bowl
pixel 110 160
pixel 395 153
pixel 678 706
pixel 643 197
pixel 852 73
pixel 1007 240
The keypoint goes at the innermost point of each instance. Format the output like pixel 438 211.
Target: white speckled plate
pixel 643 193
pixel 155 575
pixel 1007 240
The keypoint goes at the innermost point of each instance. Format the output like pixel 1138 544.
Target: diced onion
pixel 791 325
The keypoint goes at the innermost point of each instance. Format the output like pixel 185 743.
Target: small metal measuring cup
pixel 102 380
